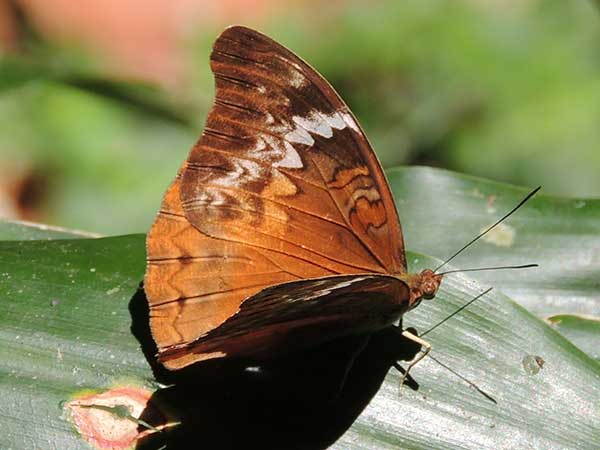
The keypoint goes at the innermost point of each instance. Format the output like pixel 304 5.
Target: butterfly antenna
pixel 481 269
pixel 456 312
pixel 466 380
pixel 490 228
pixel 469 382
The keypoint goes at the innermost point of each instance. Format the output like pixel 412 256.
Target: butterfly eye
pixel 429 289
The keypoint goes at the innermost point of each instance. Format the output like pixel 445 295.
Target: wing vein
pixel 324 256
pixel 284 205
pixel 364 244
pixel 207 294
pixel 259 162
pixel 283 222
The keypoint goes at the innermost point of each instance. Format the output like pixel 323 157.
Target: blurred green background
pixel 101 101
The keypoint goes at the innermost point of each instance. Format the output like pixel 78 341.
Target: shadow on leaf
pixel 305 400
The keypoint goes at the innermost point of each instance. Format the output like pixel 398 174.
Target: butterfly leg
pixel 425 348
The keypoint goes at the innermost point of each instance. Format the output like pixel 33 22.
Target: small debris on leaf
pixel 532 364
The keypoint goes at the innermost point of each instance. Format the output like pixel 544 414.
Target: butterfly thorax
pixel 422 285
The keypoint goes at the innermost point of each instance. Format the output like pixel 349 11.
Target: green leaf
pixel 441 211
pixel 65 328
pixel 69 308
pixel 18 230
pixel 559 407
pixel 583 330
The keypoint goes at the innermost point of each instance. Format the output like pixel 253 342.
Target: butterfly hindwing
pixel 282 317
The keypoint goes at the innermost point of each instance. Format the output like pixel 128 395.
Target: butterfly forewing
pixel 282 186
pixel 282 164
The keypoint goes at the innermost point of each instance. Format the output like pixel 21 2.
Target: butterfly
pixel 280 230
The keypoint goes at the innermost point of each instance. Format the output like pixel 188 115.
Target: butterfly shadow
pixel 304 400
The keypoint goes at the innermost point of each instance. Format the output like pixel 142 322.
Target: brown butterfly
pixel 280 230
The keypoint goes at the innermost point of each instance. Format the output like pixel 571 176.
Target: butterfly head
pixel 423 285
pixel 429 283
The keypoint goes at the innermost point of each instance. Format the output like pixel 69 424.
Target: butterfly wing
pixel 282 317
pixel 282 164
pixel 194 282
pixel 282 185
